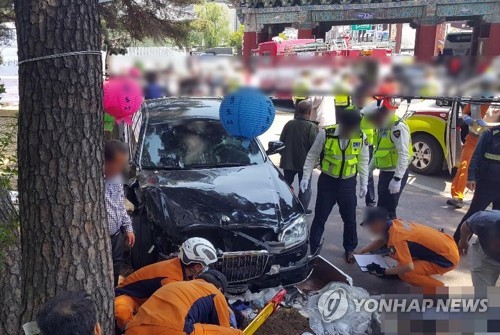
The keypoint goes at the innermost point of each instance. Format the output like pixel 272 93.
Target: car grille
pixel 243 265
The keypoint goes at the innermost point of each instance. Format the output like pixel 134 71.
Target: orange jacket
pixel 409 241
pixel 142 283
pixel 183 308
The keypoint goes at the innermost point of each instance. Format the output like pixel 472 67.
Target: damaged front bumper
pixel 257 269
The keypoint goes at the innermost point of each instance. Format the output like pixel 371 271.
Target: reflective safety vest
pixel 384 152
pixel 340 163
pixel 369 129
pixel 489 167
pixel 300 91
pixel 342 100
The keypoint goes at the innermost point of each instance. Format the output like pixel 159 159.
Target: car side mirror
pixel 275 147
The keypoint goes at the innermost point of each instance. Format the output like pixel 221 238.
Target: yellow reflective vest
pixel 340 163
pixel 342 100
pixel 369 129
pixel 384 152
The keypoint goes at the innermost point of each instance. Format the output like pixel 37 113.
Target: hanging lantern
pixel 122 98
pixel 246 113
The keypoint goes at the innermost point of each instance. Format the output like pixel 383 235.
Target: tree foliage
pixel 236 39
pixel 160 20
pixel 211 27
pixel 6 15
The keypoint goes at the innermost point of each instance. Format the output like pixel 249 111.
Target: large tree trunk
pixel 65 244
pixel 10 263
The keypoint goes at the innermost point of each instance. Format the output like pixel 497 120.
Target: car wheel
pixel 142 253
pixel 427 155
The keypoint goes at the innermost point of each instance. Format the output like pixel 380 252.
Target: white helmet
pixel 198 250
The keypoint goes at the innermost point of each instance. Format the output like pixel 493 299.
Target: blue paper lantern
pixel 246 113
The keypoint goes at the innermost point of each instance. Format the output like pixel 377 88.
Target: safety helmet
pixel 198 250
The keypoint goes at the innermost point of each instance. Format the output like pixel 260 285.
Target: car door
pixel 453 142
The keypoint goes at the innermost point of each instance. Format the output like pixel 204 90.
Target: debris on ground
pixel 352 322
pixel 285 321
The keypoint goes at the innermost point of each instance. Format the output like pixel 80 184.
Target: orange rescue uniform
pixel 431 252
pixel 184 308
pixel 140 285
pixel 460 179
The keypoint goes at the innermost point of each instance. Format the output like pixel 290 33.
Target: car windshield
pixel 195 143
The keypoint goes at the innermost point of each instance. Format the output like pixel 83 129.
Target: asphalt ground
pixel 423 201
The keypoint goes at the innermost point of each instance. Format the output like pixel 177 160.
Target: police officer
pixel 484 175
pixel 344 152
pixel 368 128
pixel 392 153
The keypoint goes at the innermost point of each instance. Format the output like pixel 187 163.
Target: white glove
pixel 394 186
pixel 304 185
pixel 363 189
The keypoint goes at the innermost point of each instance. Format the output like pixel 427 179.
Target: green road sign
pixel 361 27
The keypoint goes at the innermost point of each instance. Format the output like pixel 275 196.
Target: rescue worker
pixel 473 115
pixel 343 152
pixel 197 307
pixel 195 255
pixel 484 175
pixel 420 251
pixel 392 153
pixel 368 128
pixel 485 263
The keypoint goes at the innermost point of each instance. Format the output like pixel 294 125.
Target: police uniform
pixel 392 154
pixel 141 284
pixel 484 169
pixel 431 251
pixel 341 161
pixel 195 307
pixel 369 129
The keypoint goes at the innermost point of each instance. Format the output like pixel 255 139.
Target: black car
pixel 191 178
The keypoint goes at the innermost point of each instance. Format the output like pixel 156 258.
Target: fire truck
pixel 312 47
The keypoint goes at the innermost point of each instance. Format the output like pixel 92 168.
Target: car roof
pixel 168 109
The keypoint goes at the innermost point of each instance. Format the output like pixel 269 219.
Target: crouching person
pixel 69 313
pixel 195 255
pixel 485 263
pixel 196 307
pixel 420 251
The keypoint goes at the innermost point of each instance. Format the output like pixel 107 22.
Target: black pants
pixel 387 200
pixel 304 197
pixel 333 191
pixel 486 192
pixel 370 195
pixel 117 248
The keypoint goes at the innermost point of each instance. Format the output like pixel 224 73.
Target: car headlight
pixel 295 233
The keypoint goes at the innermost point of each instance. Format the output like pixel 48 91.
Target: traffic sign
pixel 361 27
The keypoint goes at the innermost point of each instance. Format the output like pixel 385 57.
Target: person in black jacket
pixel 484 175
pixel 298 135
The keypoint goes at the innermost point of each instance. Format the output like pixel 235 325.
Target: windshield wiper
pixel 211 166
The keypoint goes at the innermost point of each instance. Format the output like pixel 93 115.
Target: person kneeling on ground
pixel 132 292
pixel 485 254
pixel 196 307
pixel 69 313
pixel 420 251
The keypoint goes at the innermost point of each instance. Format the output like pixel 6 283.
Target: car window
pixel 196 143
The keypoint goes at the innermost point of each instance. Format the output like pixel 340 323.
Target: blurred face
pixel 348 132
pixel 378 228
pixel 116 166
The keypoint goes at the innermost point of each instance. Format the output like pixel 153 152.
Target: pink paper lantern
pixel 122 98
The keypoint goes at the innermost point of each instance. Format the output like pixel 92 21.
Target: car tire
pixel 144 240
pixel 428 156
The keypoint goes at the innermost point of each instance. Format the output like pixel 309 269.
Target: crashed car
pixel 191 178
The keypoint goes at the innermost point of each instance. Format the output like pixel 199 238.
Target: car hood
pixel 254 195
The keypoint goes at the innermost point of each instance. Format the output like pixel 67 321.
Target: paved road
pixel 423 201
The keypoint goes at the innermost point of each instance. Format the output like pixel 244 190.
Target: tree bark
pixel 64 238
pixel 10 263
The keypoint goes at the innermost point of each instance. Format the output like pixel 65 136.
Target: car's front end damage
pixel 260 232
